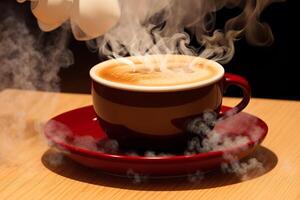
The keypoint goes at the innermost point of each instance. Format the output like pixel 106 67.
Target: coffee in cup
pixel 151 72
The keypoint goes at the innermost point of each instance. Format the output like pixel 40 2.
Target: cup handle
pixel 232 79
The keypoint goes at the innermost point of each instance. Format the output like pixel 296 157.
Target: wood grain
pixel 30 170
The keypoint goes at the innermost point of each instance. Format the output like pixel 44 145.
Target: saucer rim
pixel 129 158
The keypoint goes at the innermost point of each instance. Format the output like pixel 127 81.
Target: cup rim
pixel 170 88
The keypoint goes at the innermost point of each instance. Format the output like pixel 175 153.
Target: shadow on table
pixel 60 164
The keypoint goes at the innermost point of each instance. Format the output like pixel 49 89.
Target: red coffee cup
pixel 153 117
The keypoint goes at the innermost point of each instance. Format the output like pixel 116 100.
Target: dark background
pixel 269 70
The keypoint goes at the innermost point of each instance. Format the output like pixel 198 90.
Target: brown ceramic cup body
pixel 142 117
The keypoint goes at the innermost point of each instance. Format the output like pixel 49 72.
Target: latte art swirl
pixel 156 75
pixel 155 72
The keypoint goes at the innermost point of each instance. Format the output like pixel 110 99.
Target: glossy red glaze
pixel 233 79
pixel 62 129
pixel 153 120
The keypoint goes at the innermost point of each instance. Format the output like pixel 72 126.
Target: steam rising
pixel 28 60
pixel 162 27
pixel 31 61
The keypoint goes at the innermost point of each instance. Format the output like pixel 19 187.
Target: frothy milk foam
pixel 158 70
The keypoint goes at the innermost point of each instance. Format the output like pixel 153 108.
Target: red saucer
pixel 82 122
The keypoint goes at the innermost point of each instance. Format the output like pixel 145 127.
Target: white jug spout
pixel 94 17
pixel 51 13
pixel 89 18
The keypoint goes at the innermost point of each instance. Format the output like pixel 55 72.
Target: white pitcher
pixel 89 18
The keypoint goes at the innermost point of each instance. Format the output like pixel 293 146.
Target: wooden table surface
pixel 30 170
